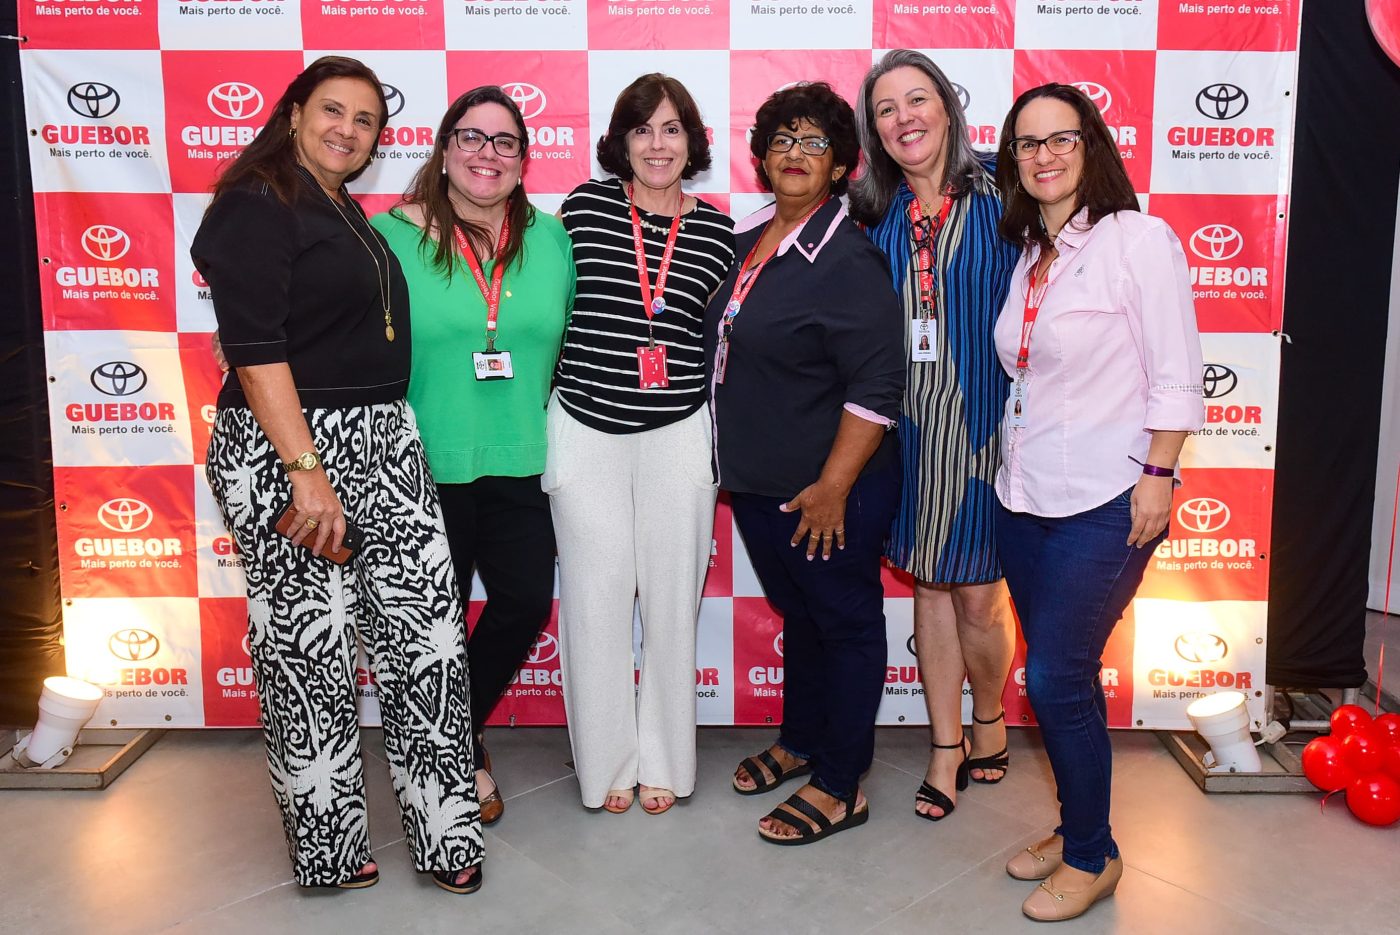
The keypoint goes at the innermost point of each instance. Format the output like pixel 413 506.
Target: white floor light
pixel 1222 719
pixel 65 705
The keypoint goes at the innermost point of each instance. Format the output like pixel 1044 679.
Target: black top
pixel 821 328
pixel 295 283
pixel 598 379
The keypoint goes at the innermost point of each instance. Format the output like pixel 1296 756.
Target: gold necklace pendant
pixel 389 331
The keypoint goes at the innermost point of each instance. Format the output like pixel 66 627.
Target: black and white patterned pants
pixel 400 593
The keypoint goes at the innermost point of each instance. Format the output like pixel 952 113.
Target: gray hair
pixel 872 193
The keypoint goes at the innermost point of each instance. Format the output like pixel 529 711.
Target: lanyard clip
pixel 491 341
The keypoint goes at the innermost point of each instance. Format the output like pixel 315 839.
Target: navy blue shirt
pixel 821 330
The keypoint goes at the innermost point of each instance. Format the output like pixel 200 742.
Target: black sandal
pixel 935 797
pixel 447 879
pixel 825 826
pixel 359 881
pixel 751 765
pixel 1001 761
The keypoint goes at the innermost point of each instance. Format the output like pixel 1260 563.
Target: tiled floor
pixel 188 841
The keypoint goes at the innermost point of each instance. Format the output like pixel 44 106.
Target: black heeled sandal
pixel 447 879
pixel 1001 761
pixel 933 796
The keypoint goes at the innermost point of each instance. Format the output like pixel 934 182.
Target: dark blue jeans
pixel 1071 578
pixel 834 651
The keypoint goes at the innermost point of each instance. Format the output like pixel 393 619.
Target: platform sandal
pixel 447 879
pixel 754 766
pixel 825 827
pixel 1001 761
pixel 933 796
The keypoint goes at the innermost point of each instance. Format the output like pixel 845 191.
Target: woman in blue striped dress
pixel 932 208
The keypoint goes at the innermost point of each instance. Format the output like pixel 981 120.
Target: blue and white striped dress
pixel 952 407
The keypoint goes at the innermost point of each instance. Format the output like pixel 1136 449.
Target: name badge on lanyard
pixel 923 330
pixel 651 357
pixel 1018 405
pixel 490 364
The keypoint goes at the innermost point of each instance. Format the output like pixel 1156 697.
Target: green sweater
pixel 475 428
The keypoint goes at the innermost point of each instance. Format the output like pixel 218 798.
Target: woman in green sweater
pixel 491 282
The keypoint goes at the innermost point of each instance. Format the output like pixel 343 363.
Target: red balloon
pixel 1388 726
pixel 1361 749
pixel 1384 17
pixel 1324 765
pixel 1390 761
pixel 1375 799
pixel 1348 718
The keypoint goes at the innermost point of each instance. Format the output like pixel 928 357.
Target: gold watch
pixel 306 461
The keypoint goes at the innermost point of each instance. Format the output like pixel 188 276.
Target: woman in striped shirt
pixel 629 468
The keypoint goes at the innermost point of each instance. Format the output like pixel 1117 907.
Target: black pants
pixel 834 651
pixel 501 527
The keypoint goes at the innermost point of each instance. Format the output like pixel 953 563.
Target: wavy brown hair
pixel 1103 185
pixel 271 157
pixel 429 190
pixel 634 107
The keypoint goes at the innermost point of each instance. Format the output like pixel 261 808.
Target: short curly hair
pixel 634 107
pixel 820 105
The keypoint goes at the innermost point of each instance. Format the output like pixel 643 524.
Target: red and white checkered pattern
pixel 133 105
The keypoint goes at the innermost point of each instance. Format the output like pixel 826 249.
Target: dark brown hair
pixel 818 103
pixel 271 157
pixel 1103 185
pixel 429 190
pixel 634 107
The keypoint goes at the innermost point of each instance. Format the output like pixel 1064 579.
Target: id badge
pixel 1020 396
pixel 721 360
pixel 492 365
pixel 651 367
pixel 923 340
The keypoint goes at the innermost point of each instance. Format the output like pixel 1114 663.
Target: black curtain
pixel 30 624
pixel 1340 240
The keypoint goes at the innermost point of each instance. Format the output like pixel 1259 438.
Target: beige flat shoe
pixel 627 794
pixel 1047 903
pixel 1039 860
pixel 656 794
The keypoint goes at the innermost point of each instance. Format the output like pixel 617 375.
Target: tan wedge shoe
pixel 1048 903
pixel 1039 860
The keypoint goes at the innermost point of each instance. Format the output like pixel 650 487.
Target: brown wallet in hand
pixel 349 543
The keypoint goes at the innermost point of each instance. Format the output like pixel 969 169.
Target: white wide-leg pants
pixel 633 517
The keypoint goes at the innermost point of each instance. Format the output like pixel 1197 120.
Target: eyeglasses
pixel 1060 144
pixel 811 145
pixel 472 140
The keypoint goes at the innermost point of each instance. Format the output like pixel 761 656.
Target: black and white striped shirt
pixel 598 379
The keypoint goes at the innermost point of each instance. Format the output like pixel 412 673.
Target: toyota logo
pixel 125 515
pixel 1203 514
pixel 545 649
pixel 133 645
pixel 778 644
pixel 234 100
pixel 527 97
pixel 1221 101
pixel 1096 93
pixel 93 99
pixel 1217 242
pixel 1218 380
pixel 964 98
pixel 106 243
pixel 393 98
pixel 247 645
pixel 118 378
pixel 1201 648
pixel 909 645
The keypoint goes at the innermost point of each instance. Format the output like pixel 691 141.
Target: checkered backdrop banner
pixel 133 105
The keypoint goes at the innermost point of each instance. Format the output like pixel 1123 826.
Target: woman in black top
pixel 628 469
pixel 313 315
pixel 806 340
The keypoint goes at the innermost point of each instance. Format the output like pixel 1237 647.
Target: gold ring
pixel 311 524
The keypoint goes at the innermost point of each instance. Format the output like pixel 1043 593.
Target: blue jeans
pixel 834 651
pixel 1071 578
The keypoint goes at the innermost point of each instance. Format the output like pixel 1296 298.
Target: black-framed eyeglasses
pixel 1060 143
pixel 472 140
pixel 811 145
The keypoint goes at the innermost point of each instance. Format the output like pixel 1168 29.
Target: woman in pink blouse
pixel 1099 338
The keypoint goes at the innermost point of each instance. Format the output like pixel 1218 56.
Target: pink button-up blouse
pixel 1114 355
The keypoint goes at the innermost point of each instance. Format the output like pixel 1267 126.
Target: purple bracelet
pixel 1152 470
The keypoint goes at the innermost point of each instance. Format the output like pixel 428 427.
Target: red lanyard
pixel 927 246
pixel 743 283
pixel 491 294
pixel 1034 299
pixel 653 304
